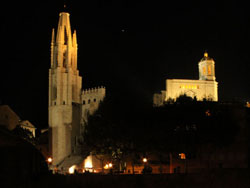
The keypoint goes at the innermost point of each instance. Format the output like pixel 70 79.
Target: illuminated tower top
pixel 64 45
pixel 207 68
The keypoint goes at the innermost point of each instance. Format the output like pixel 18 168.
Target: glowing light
pixel 209 70
pixel 49 160
pixel 72 169
pixel 106 166
pixel 208 113
pixel 205 54
pixel 88 162
pixel 189 87
pixel 182 155
pixel 145 160
pixel 248 104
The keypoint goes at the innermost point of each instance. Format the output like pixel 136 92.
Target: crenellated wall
pixel 90 100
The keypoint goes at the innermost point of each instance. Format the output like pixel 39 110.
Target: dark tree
pixel 119 129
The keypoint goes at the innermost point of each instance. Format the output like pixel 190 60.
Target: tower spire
pixel 53 36
pixel 74 39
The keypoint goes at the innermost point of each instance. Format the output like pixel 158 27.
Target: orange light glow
pixel 208 113
pixel 209 70
pixel 145 160
pixel 205 54
pixel 248 104
pixel 106 166
pixel 182 155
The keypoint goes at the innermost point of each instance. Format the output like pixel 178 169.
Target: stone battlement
pixel 98 90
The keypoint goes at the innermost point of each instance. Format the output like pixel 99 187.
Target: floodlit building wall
pixel 201 89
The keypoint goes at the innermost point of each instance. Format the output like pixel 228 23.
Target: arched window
pixel 89 101
pixel 94 100
pixel 83 102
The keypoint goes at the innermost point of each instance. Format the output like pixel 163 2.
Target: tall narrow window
pixel 209 70
pixel 204 70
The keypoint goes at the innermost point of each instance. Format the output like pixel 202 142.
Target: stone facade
pixel 204 88
pixel 68 104
pixel 201 89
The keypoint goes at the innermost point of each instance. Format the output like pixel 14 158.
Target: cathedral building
pixel 68 104
pixel 204 88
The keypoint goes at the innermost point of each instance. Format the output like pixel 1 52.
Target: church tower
pixel 64 90
pixel 206 68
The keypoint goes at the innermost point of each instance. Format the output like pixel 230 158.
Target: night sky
pixel 130 47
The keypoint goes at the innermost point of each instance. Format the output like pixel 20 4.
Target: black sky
pixel 130 47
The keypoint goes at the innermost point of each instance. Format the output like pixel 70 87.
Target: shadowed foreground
pixel 216 179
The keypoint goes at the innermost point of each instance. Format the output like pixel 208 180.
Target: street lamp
pixel 110 165
pixel 145 160
pixel 49 160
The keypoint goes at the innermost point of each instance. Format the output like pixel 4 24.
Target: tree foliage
pixel 120 129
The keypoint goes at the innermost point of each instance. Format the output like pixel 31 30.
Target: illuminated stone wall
pixel 90 100
pixel 200 89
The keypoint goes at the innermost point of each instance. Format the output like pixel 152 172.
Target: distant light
pixel 182 155
pixel 208 113
pixel 88 162
pixel 205 54
pixel 145 160
pixel 106 166
pixel 72 169
pixel 123 30
pixel 49 160
pixel 110 165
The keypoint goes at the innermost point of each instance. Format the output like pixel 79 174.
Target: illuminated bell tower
pixel 64 90
pixel 207 68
